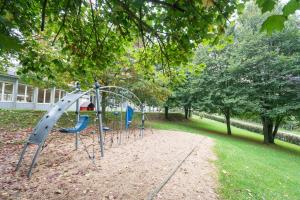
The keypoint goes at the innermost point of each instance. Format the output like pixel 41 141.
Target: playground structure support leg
pixel 121 121
pixel 22 156
pixel 77 118
pixel 143 121
pixel 98 99
pixel 35 159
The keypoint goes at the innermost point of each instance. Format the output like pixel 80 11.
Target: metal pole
pixel 126 121
pixel 98 100
pixel 121 122
pixel 143 120
pixel 22 156
pixel 77 117
pixel 35 159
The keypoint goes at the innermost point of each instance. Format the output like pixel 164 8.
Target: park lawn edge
pixel 249 179
pixel 228 189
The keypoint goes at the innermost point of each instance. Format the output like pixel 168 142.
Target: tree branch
pixel 43 15
pixel 105 36
pixel 220 10
pixel 94 24
pixel 173 6
pixel 3 6
pixel 141 29
pixel 148 28
pixel 63 22
pixel 87 44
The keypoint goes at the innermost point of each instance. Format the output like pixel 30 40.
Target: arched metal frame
pixel 46 123
pixel 127 98
pixel 100 89
pixel 124 89
pixel 141 106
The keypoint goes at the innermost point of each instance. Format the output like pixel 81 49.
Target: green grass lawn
pixel 248 169
pixel 14 120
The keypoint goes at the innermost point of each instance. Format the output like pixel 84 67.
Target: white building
pixel 17 95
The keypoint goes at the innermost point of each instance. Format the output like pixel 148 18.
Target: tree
pixel 216 90
pixel 252 74
pixel 264 65
pixel 88 30
pixel 80 26
pixel 181 89
pixel 184 95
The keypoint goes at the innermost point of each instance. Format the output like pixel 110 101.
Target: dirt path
pixel 128 171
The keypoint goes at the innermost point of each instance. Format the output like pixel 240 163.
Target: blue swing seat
pixel 105 128
pixel 80 126
pixel 128 116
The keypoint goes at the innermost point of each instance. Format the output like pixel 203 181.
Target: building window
pixel 57 96
pixel 1 90
pixel 29 94
pixel 8 91
pixel 41 96
pixel 47 96
pixel 21 93
pixel 25 93
pixel 63 93
pixel 44 96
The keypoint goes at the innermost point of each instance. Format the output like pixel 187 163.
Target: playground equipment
pixel 129 114
pixel 80 126
pixel 46 123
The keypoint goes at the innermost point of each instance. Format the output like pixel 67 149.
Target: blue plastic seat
pixel 128 116
pixel 105 128
pixel 80 126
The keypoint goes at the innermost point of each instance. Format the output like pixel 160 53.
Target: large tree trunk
pixel 186 112
pixel 227 117
pixel 270 132
pixel 276 127
pixel 166 112
pixel 190 111
pixel 267 130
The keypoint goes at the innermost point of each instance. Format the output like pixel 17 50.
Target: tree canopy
pixel 95 33
pixel 253 74
pixel 148 46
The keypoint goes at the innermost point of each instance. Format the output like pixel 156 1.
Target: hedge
pixel 287 137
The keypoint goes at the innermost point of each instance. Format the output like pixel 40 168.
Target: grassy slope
pixel 14 120
pixel 248 169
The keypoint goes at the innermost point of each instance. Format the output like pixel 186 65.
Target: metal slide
pixel 45 125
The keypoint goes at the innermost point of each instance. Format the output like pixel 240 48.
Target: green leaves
pixel 274 22
pixel 252 74
pixel 266 5
pixel 265 63
pixel 240 7
pixel 9 43
pixel 291 7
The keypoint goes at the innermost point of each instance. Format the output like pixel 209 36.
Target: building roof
pixel 85 104
pixel 7 77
